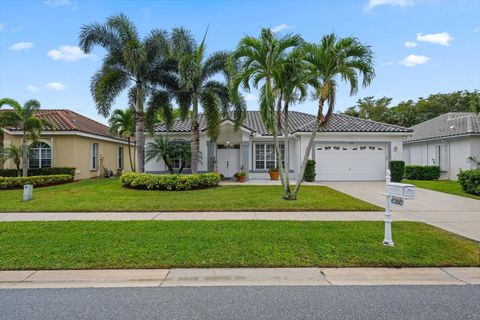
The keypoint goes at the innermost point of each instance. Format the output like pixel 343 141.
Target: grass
pixel 447 186
pixel 109 195
pixel 167 244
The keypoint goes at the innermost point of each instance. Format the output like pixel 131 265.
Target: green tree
pixel 24 118
pixel 167 150
pixel 14 153
pixel 334 59
pixel 141 66
pixel 122 123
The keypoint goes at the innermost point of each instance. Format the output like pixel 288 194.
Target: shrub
pixel 39 171
pixel 19 182
pixel 422 172
pixel 470 181
pixel 309 174
pixel 171 182
pixel 397 169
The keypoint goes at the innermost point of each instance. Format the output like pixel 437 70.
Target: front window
pixel 120 158
pixel 40 155
pixel 265 157
pixel 177 163
pixel 94 156
pixel 179 159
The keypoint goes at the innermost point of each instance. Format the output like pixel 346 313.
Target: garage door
pixel 350 161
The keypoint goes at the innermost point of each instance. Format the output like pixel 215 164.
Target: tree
pixel 14 153
pixel 122 123
pixel 334 59
pixel 261 62
pixel 143 67
pixel 24 118
pixel 167 150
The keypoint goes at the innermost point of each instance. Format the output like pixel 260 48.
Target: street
pixel 318 302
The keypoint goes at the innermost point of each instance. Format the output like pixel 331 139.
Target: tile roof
pixel 299 122
pixel 447 125
pixel 67 120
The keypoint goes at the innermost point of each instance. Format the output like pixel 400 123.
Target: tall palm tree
pixel 198 82
pixel 141 66
pixel 14 153
pixel 261 62
pixel 25 119
pixel 334 59
pixel 122 123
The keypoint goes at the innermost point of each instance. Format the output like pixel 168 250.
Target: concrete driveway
pixel 453 213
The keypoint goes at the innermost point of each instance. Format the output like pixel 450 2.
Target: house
pixel 77 141
pixel 347 148
pixel 446 141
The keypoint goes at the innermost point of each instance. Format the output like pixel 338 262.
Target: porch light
pixel 228 144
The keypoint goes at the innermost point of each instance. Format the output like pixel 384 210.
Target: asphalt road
pixel 360 302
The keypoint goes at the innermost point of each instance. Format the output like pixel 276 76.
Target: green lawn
pixel 166 244
pixel 109 195
pixel 447 186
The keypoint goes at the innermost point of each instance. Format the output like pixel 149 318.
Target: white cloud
pixel 387 63
pixel 250 97
pixel 410 44
pixel 58 3
pixel 68 53
pixel 280 27
pixel 21 46
pixel 31 88
pixel 396 3
pixel 442 38
pixel 477 29
pixel 414 60
pixel 57 86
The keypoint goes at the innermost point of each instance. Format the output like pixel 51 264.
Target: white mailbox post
pixel 395 194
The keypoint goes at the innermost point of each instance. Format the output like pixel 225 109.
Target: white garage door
pixel 350 161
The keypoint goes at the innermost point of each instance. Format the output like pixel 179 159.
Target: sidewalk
pixel 238 277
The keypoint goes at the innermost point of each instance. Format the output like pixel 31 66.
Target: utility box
pixel 27 192
pixel 403 190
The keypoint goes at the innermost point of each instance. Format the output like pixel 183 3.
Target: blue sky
pixel 421 47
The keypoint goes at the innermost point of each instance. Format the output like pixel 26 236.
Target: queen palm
pixel 122 123
pixel 13 153
pixel 261 62
pixel 141 66
pixel 334 59
pixel 24 118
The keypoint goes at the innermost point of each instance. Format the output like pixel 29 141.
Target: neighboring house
pixel 446 141
pixel 77 141
pixel 347 148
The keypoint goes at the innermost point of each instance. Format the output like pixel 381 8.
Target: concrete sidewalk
pixel 238 277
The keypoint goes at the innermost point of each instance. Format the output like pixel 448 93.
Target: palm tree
pixel 167 150
pixel 122 123
pixel 25 119
pixel 198 75
pixel 14 153
pixel 334 59
pixel 141 66
pixel 262 61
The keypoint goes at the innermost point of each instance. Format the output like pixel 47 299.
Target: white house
pixel 347 148
pixel 446 141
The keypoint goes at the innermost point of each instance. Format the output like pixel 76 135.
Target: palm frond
pixel 211 106
pixel 105 86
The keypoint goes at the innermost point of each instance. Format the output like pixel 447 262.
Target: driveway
pixel 453 213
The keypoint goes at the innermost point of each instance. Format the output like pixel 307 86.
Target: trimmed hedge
pixel 171 182
pixel 397 170
pixel 19 182
pixel 422 172
pixel 470 181
pixel 39 171
pixel 309 174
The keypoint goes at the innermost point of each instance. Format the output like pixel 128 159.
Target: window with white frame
pixel 94 156
pixel 120 158
pixel 178 161
pixel 40 155
pixel 265 157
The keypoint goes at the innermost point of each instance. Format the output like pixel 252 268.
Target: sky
pixel 421 47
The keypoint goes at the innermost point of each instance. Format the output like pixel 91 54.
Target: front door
pixel 228 161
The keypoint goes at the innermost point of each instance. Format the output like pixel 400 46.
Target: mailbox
pixel 406 191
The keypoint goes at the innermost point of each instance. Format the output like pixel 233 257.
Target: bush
pixel 39 171
pixel 422 172
pixel 171 182
pixel 309 174
pixel 470 181
pixel 397 170
pixel 19 182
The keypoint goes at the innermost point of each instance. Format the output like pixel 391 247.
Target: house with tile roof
pixel 347 148
pixel 446 141
pixel 76 141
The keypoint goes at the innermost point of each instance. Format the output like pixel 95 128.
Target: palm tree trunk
pixel 134 156
pixel 139 131
pixel 276 125
pixel 195 142
pixel 25 154
pixel 130 155
pixel 286 135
